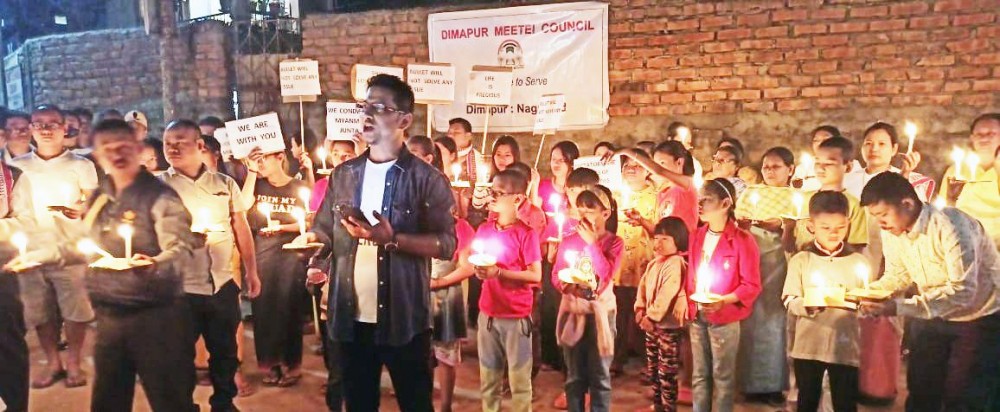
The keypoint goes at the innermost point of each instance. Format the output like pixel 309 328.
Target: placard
pixel 552 48
pixel 262 131
pixel 299 78
pixel 432 83
pixel 489 86
pixel 550 112
pixel 223 138
pixel 362 72
pixel 343 120
pixel 610 172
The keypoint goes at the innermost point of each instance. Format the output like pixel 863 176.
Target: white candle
pixel 863 273
pixel 571 257
pixel 940 203
pixel 322 155
pixel 305 194
pixel 703 281
pixel 560 220
pixel 957 156
pixel 626 193
pixel 126 231
pixel 555 201
pixel 300 215
pixel 807 163
pixel 67 195
pixel 20 240
pixel 972 160
pixel 754 200
pixel 478 247
pixel 88 247
pixel 456 170
pixel 798 201
pixel 911 132
pixel 698 181
pixel 482 171
pixel 684 135
pixel 266 209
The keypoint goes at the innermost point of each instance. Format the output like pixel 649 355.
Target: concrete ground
pixel 627 392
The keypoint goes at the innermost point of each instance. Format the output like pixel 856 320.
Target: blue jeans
pixel 587 371
pixel 714 349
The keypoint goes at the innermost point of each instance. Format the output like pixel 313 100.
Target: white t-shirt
pixel 366 260
pixel 59 181
pixel 708 248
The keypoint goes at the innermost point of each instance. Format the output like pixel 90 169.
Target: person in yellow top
pixel 834 158
pixel 981 200
pixel 637 200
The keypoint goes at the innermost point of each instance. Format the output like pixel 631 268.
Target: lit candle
pixel 863 273
pixel 972 160
pixel 266 209
pixel 482 171
pixel 300 215
pixel 560 220
pixel 480 258
pixel 698 181
pixel 20 240
pixel 88 247
pixel 799 202
pixel 555 200
pixel 807 163
pixel 703 281
pixel 322 155
pixel 126 231
pixel 67 195
pixel 203 222
pixel 572 257
pixel 754 200
pixel 940 203
pixel 626 197
pixel 911 132
pixel 957 156
pixel 478 247
pixel 684 135
pixel 305 194
pixel 456 170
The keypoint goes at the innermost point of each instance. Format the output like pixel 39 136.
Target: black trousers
pixel 154 343
pixel 216 318
pixel 335 379
pixel 953 366
pixel 13 348
pixel 409 367
pixel 843 385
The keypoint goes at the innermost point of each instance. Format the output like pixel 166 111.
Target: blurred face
pixel 139 130
pixel 418 151
pixel 183 148
pixel 117 154
pixel 462 138
pixel 559 164
pixel 18 130
pixel 72 130
pixel 504 200
pixel 48 129
pixel 878 149
pixel 296 149
pixel 711 207
pixel 895 219
pixel 382 120
pixel 503 157
pixel 724 164
pixel 664 245
pixel 207 129
pixel 666 161
pixel 830 166
pixel 986 137
pixel 572 193
pixel 602 151
pixel 818 138
pixel 341 152
pixel 829 228
pixel 776 173
pixel 633 173
pixel 595 215
pixel 210 159
pixel 147 157
pixel 271 164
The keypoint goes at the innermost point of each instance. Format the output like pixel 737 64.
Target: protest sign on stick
pixel 432 83
pixel 610 172
pixel 223 138
pixel 548 118
pixel 343 120
pixel 360 74
pixel 489 87
pixel 299 80
pixel 262 131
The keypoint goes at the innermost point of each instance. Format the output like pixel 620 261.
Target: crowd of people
pixel 723 282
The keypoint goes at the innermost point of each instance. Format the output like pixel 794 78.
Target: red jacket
pixel 735 268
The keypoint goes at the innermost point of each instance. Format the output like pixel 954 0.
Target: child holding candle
pixel 283 299
pixel 585 329
pixel 826 340
pixel 671 170
pixel 763 366
pixel 340 152
pixel 729 259
pixel 561 164
pixel 661 310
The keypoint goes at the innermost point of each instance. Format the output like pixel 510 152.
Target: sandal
pixel 273 377
pixel 76 381
pixel 243 386
pixel 48 381
pixel 289 379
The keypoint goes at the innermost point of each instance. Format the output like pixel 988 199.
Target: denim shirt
pixel 417 200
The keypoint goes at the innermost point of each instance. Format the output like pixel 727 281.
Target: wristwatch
pixel 392 245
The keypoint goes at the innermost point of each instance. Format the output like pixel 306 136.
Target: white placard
pixel 432 83
pixel 223 138
pixel 610 172
pixel 489 86
pixel 553 48
pixel 362 72
pixel 299 78
pixel 550 112
pixel 343 120
pixel 262 131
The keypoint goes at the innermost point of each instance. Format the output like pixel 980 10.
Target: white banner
pixel 610 172
pixel 433 83
pixel 552 48
pixel 343 120
pixel 299 78
pixel 550 112
pixel 262 131
pixel 360 74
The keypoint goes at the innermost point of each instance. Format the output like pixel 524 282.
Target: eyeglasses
pixel 721 160
pixel 497 193
pixel 45 126
pixel 377 108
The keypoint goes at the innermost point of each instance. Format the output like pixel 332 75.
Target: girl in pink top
pixel 587 310
pixel 724 261
pixel 551 193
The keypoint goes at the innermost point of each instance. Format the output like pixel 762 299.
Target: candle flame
pixel 910 129
pixel 305 194
pixel 806 160
pixel 754 198
pixel 321 153
pixel 477 246
pixel 88 247
pixel 299 213
pixel 20 240
pixel 698 182
pixel 940 203
pixel 560 218
pixel 798 201
pixel 972 159
pixel 684 134
pixel 125 230
pixel 456 170
pixel 863 273
pixel 555 200
pixel 817 279
pixel 703 280
pixel 572 256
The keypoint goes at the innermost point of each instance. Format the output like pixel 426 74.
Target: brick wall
pixel 765 71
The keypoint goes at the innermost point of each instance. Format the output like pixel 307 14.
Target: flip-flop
pixel 49 380
pixel 289 380
pixel 272 378
pixel 76 381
